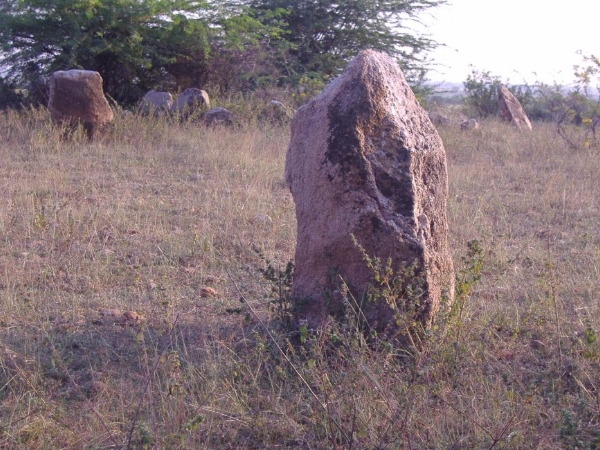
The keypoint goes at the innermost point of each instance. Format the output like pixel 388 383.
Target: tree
pixel 244 49
pixel 10 98
pixel 135 45
pixel 576 111
pixel 481 90
pixel 323 35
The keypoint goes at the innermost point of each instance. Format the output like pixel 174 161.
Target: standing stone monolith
pixel 510 108
pixel 76 96
pixel 365 160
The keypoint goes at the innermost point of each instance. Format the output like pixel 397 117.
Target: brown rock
pixel 156 103
pixel 365 160
pixel 131 316
pixel 76 96
pixel 218 116
pixel 207 291
pixel 510 109
pixel 189 102
pixel 469 124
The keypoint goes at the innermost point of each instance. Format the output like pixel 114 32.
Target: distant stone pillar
pixel 510 109
pixel 365 160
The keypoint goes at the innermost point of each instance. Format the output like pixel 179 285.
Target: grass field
pixel 122 264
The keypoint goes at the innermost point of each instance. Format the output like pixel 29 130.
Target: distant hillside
pixel 446 86
pixel 447 92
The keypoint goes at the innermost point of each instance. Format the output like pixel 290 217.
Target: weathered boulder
pixel 76 96
pixel 510 108
pixel 218 116
pixel 156 103
pixel 469 124
pixel 365 160
pixel 189 102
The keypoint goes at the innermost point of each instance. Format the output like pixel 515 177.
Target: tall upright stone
pixel 76 96
pixel 365 161
pixel 510 108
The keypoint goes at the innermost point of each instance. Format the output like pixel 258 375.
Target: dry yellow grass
pixel 159 220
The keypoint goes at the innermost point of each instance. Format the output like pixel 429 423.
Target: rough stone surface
pixel 469 124
pixel 190 101
pixel 365 160
pixel 218 116
pixel 76 96
pixel 156 103
pixel 510 109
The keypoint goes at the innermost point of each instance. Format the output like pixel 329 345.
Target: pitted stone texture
pixel 76 96
pixel 365 160
pixel 510 109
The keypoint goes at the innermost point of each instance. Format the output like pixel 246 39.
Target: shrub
pixel 10 97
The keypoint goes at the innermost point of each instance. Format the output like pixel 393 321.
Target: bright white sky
pixel 515 39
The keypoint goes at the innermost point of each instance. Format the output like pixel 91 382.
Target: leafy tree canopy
pixel 135 45
pixel 325 34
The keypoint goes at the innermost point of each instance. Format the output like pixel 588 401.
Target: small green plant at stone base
pixel 450 321
pixel 402 289
pixel 279 297
pixel 466 279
